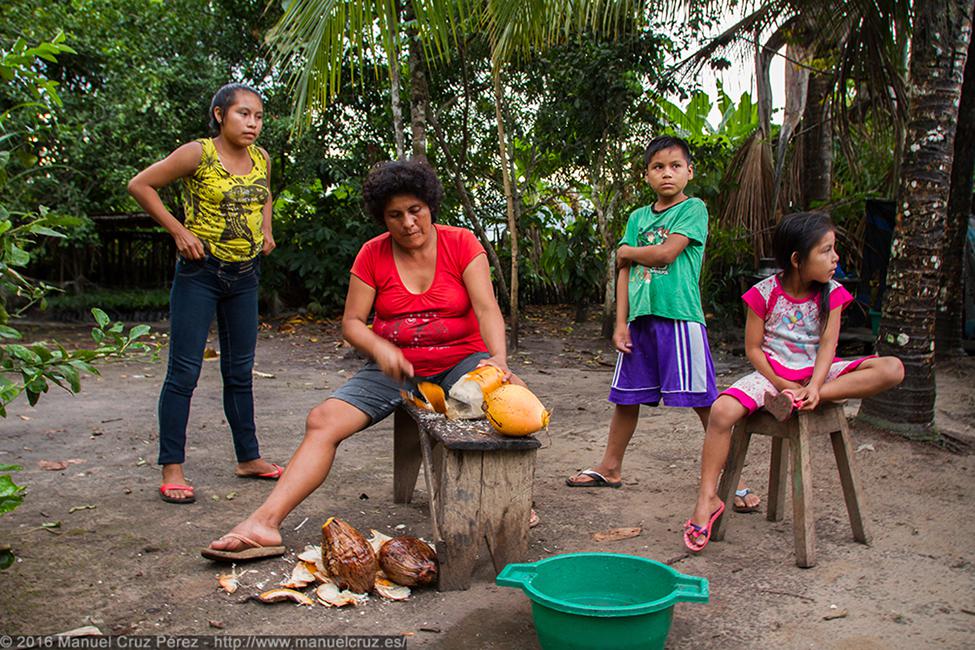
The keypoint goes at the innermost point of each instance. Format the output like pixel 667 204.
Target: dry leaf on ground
pixel 615 534
pixel 58 465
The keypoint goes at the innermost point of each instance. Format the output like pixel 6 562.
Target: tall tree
pixel 948 324
pixel 939 48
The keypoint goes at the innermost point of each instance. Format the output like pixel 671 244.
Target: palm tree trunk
pixel 510 197
pixel 817 163
pixel 948 322
pixel 394 85
pixel 419 95
pixel 939 47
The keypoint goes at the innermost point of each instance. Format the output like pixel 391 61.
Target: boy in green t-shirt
pixel 660 331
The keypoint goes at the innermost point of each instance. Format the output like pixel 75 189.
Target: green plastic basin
pixel 586 601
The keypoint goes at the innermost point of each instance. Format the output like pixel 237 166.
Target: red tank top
pixel 434 329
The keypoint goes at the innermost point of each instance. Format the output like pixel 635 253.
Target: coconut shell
pixel 515 411
pixel 408 561
pixel 348 557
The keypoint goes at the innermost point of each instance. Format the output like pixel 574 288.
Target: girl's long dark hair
pixel 799 233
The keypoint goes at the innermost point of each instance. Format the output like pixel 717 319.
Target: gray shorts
pixel 377 395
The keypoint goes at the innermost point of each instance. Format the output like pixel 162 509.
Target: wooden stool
pixel 796 431
pixel 480 487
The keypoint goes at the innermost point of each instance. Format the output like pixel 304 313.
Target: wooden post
pixel 843 451
pixel 406 456
pixel 778 476
pixel 506 502
pixel 803 520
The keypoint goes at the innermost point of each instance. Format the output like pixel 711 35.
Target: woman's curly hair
pixel 397 177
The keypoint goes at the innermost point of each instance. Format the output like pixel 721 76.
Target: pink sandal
pixel 273 475
pixel 692 529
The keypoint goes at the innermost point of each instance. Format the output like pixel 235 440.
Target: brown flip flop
pixel 255 552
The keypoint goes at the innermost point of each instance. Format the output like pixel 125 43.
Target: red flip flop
pixel 690 528
pixel 176 486
pixel 273 475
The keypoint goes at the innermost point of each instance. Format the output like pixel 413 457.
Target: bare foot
pixel 261 533
pixel 255 467
pixel 172 474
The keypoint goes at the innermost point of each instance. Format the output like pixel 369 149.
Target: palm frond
pixel 747 204
pixel 520 27
pixel 315 38
pixel 765 16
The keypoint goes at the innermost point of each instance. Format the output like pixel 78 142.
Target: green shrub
pixel 318 232
pixel 114 302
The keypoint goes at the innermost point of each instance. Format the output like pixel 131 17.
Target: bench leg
pixel 406 456
pixel 777 478
pixel 843 451
pixel 803 520
pixel 506 501
pixel 458 484
pixel 730 476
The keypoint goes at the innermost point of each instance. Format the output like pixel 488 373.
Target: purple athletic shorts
pixel 670 359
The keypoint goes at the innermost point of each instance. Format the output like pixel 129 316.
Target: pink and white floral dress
pixel 791 338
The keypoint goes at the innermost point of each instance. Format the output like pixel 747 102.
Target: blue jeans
pixel 200 288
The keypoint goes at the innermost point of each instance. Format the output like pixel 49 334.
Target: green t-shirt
pixel 668 291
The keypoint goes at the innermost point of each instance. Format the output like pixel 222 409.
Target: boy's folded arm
pixel 657 254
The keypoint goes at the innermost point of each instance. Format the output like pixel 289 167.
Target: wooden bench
pixel 480 487
pixel 794 436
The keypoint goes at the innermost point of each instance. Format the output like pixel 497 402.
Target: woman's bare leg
pixel 328 424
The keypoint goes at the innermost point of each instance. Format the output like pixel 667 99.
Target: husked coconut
pixel 349 558
pixel 408 561
pixel 467 395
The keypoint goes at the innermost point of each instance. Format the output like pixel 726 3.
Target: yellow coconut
pixel 436 400
pixel 515 411
pixel 487 377
pixel 434 395
pixel 467 395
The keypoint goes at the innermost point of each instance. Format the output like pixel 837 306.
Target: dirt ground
pixel 129 563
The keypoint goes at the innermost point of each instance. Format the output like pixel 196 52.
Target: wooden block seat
pixel 794 435
pixel 480 487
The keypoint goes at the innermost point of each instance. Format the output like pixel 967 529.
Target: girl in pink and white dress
pixel 791 333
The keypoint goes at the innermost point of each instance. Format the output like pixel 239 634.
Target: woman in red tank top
pixel 436 319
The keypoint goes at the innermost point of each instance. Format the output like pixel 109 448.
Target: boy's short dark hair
pixel 397 177
pixel 662 142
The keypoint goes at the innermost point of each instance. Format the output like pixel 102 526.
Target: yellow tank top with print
pixel 225 210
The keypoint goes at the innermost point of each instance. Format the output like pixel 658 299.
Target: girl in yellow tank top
pixel 225 210
pixel 227 200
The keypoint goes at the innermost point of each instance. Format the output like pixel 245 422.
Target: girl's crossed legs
pixel 868 377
